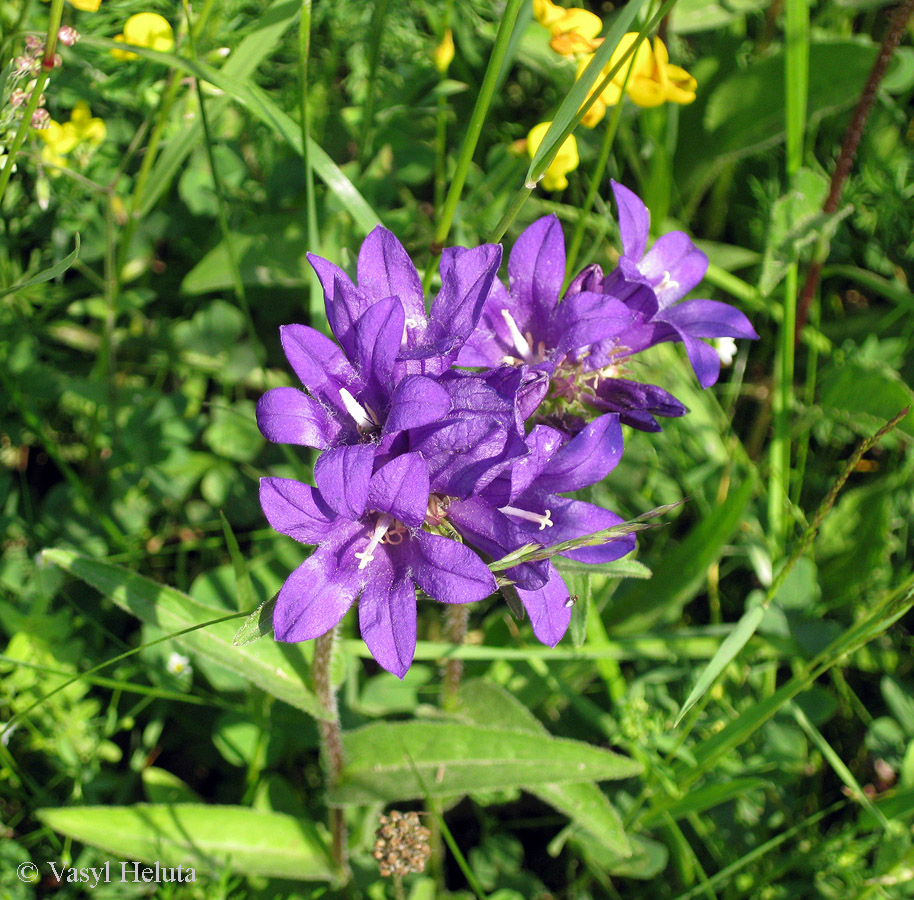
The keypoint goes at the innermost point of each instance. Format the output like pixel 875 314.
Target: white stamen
pixel 667 284
pixel 544 521
pixel 367 555
pixel 355 409
pixel 523 346
pixel 408 322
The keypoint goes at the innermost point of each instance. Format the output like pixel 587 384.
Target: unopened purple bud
pixel 68 35
pixel 41 119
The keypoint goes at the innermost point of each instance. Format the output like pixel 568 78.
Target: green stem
pixel 797 80
pixel 510 214
pixel 474 129
pixel 596 178
pixel 331 739
pixel 47 64
pixel 374 54
pixel 234 267
pixel 456 617
pixel 315 295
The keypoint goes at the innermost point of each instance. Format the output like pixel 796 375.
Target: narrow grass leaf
pixel 458 758
pixel 699 801
pixel 48 274
pixel 277 669
pixel 729 650
pixel 244 590
pixel 209 838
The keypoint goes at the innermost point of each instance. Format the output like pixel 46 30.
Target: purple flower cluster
pixel 464 427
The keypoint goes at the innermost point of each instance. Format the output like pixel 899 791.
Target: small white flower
pixel 177 664
pixel 726 349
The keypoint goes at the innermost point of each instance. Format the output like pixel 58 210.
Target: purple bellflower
pixel 379 557
pixel 527 326
pixel 522 505
pixel 671 268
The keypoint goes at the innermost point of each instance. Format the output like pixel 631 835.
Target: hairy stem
pixel 331 737
pixel 457 618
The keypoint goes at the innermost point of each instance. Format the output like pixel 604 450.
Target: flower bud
pixel 41 119
pixel 402 844
pixel 444 52
pixel 68 35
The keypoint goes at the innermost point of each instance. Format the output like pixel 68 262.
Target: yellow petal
pixel 80 115
pixel 572 44
pixel 94 132
pixel 444 52
pixel 578 21
pixel 86 5
pixel 681 88
pixel 566 160
pixel 149 30
pixel 122 54
pixel 546 12
pixel 595 114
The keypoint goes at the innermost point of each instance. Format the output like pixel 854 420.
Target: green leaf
pixel 698 801
pixel 405 760
pixel 868 389
pixel 48 274
pixel 257 625
pixel 729 649
pixel 682 569
pixel 209 838
pixel 277 669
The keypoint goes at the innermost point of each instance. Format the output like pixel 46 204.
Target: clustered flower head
pixel 401 844
pixel 453 435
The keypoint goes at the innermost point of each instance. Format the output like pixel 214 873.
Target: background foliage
pixel 130 460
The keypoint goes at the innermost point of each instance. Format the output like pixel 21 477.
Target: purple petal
pixel 634 221
pixel 704 360
pixel 343 301
pixel 343 475
pixel 588 279
pixel 377 342
pixel 636 403
pixel 448 571
pixel 536 270
pixel 585 319
pixel 317 594
pixel 708 319
pixel 319 363
pixel 673 266
pixel 548 608
pixel 416 401
pixel 400 488
pixel 385 270
pixel 459 303
pixel 586 459
pixel 296 509
pixel 485 527
pixel 288 416
pixel 387 617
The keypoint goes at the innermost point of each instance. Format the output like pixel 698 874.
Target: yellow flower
pixel 84 5
pixel 566 160
pixel 574 30
pixel 145 30
pixel 82 129
pixel 444 52
pixel 652 80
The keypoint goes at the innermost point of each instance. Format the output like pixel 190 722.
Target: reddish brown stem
pixel 849 146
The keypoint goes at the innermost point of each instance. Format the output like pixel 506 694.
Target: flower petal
pixel 459 303
pixel 387 617
pixel 343 475
pixel 673 266
pixel 586 318
pixel 574 519
pixel 296 509
pixel 634 221
pixel 704 360
pixel 417 400
pixel 400 488
pixel 385 270
pixel 709 319
pixel 343 301
pixel 319 363
pixel 536 270
pixel 377 342
pixel 317 594
pixel 586 459
pixel 448 571
pixel 288 416
pixel 548 608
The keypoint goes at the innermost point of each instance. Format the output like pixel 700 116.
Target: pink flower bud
pixel 41 118
pixel 68 35
pixel 18 97
pixel 34 45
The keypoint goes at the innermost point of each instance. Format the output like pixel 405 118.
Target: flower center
pixel 380 530
pixel 666 284
pixel 520 342
pixel 364 416
pixel 544 520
